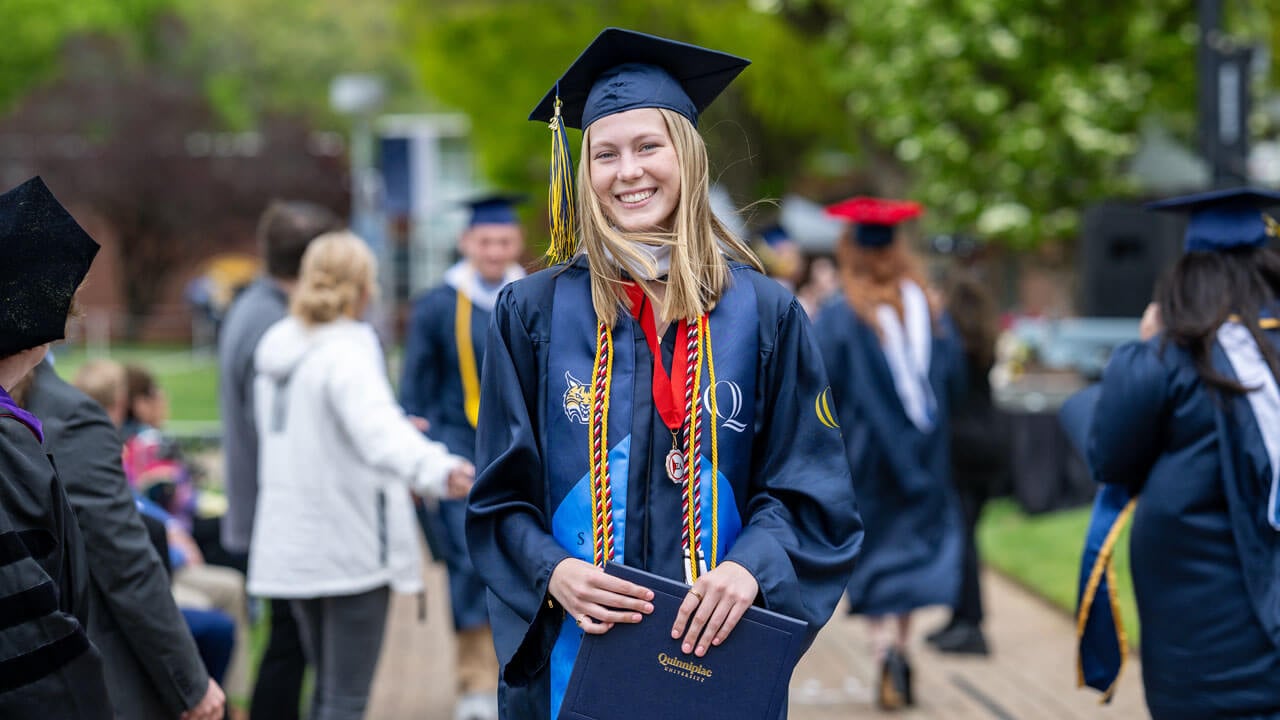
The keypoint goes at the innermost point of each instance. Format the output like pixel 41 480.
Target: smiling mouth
pixel 636 199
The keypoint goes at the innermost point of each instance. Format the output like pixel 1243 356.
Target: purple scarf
pixel 10 408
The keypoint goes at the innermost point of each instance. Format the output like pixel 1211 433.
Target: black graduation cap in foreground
pixel 44 256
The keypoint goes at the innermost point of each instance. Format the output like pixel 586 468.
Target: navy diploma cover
pixel 638 671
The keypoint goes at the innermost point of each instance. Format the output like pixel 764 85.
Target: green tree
pixel 1008 115
pixel 33 33
pixel 262 56
pixel 495 60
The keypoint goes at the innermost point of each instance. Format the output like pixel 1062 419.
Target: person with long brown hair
pixel 895 366
pixel 725 472
pixel 1185 438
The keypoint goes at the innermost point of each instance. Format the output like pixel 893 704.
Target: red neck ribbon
pixel 668 391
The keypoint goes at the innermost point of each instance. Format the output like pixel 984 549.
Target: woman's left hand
pixel 713 607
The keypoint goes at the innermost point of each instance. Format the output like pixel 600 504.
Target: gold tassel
pixel 560 198
pixel 1273 227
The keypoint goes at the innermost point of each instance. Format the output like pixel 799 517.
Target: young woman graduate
pixel 895 365
pixel 655 347
pixel 1185 436
pixel 444 351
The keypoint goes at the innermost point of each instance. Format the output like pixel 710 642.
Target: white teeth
pixel 636 197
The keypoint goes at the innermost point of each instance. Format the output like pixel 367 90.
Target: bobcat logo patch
pixel 577 399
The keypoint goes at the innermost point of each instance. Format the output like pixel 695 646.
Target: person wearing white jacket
pixel 334 530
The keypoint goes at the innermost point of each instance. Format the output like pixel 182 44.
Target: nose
pixel 629 168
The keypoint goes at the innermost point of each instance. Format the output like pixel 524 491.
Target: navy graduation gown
pixel 787 512
pixel 431 388
pixel 1205 563
pixel 911 556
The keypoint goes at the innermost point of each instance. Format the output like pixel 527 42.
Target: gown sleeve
pixel 803 530
pixel 508 532
pixel 1124 439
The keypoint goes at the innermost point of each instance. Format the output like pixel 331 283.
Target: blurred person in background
pixel 782 258
pixel 104 382
pixel 1185 436
pixel 896 366
pixel 817 283
pixel 444 351
pixel 284 231
pixel 214 631
pixel 153 667
pixel 334 528
pixel 156 470
pixel 980 451
pixel 48 667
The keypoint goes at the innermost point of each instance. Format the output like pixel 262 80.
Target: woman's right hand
pixel 595 600
pixel 460 480
pixel 1152 322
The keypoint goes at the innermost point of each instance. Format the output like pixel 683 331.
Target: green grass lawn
pixel 1042 553
pixel 190 380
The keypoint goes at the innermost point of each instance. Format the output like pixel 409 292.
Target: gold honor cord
pixel 1100 565
pixel 467 360
pixel 1263 323
pixel 601 487
pixel 715 445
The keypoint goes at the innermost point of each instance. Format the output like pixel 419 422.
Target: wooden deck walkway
pixel 1029 676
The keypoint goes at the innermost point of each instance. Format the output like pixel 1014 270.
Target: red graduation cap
pixel 875 217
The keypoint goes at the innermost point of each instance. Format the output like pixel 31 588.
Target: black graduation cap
pixel 44 256
pixel 1224 219
pixel 775 235
pixel 494 209
pixel 623 70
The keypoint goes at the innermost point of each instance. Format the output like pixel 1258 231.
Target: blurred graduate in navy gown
pixel 652 399
pixel 895 365
pixel 1188 422
pixel 444 351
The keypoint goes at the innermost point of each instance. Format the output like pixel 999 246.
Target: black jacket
pixel 48 668
pixel 153 667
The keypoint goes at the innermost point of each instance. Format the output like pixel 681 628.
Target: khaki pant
pixel 215 587
pixel 477 661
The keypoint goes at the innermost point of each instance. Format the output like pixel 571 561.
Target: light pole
pixel 360 96
pixel 1223 70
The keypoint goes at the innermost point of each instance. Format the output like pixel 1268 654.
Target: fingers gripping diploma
pixel 597 601
pixel 713 607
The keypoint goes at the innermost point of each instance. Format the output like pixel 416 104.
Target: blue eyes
pixel 609 155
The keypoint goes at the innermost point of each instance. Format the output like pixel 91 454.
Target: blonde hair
pixel 337 278
pixel 103 380
pixel 699 242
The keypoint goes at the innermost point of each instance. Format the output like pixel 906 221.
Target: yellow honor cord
pixel 467 360
pixel 715 445
pixel 1103 565
pixel 560 195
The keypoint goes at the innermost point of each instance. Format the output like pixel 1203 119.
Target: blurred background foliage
pixel 1004 116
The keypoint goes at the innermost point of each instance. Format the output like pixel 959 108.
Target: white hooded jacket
pixel 336 460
